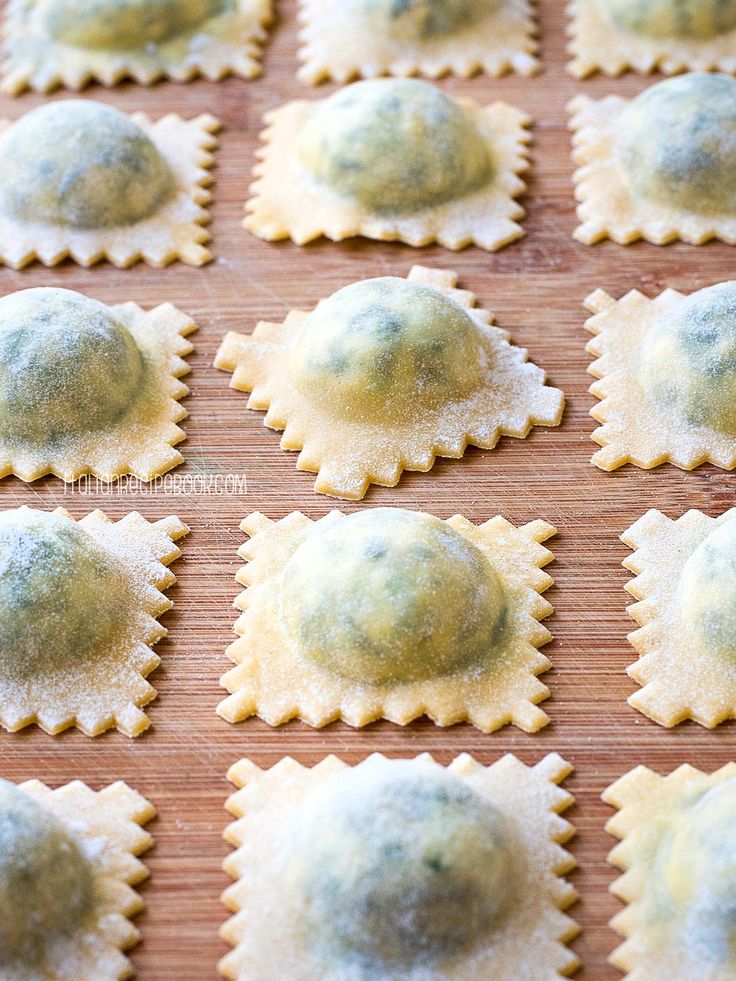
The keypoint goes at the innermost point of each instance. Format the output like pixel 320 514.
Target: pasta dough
pixel 88 388
pixel 72 42
pixel 390 614
pixel 686 610
pixel 399 869
pixel 386 374
pixel 391 159
pixel 679 872
pixel 649 35
pixel 82 179
pixel 674 355
pixel 79 602
pixel 394 147
pixel 67 865
pixel 344 39
pixel 661 166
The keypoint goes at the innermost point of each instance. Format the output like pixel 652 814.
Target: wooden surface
pixel 535 287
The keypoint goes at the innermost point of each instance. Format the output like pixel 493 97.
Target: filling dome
pixel 391 595
pixel 82 164
pixel 63 598
pixel 395 146
pixel 708 590
pixel 46 883
pixel 126 23
pixel 688 359
pixel 381 347
pixel 399 864
pixel 701 19
pixel 677 143
pixel 698 859
pixel 67 367
pixel 426 19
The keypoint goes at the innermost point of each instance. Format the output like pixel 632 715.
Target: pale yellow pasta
pixel 399 869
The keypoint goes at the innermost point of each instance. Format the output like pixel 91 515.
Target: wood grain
pixel 535 287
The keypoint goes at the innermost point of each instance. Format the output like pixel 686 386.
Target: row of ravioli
pixel 388 159
pixel 390 869
pixel 386 374
pixel 381 614
pixel 49 43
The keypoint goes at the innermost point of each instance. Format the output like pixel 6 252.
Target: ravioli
pixel 660 167
pixel 67 867
pixel 385 375
pixel 390 614
pixel 679 872
pixel 84 180
pixel 676 356
pixel 391 159
pixel 686 610
pixel 344 40
pixel 89 388
pixel 652 35
pixel 49 43
pixel 399 869
pixel 78 610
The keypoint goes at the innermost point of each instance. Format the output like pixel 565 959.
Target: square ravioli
pixel 345 39
pixel 685 588
pixel 667 378
pixel 661 166
pixel 679 873
pixel 49 43
pixel 79 606
pixel 391 614
pixel 87 388
pixel 670 36
pixel 68 866
pixel 391 159
pixel 385 375
pixel 83 180
pixel 399 870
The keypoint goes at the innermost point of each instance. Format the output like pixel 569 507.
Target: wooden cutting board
pixel 535 287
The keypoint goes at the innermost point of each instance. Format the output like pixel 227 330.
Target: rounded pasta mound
pixel 64 600
pixel 67 367
pixel 395 146
pixel 677 143
pixel 388 595
pixel 701 19
pixel 425 19
pixel 82 164
pixel 46 882
pixel 400 864
pixel 379 348
pixel 698 863
pixel 708 591
pixel 687 362
pixel 121 24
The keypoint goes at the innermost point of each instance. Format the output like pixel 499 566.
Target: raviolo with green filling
pixel 399 865
pixel 384 348
pixel 685 19
pixel 126 24
pixel 388 595
pixel 687 361
pixel 64 599
pixel 47 889
pixel 696 861
pixel 82 164
pixel 395 145
pixel 425 20
pixel 67 366
pixel 676 144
